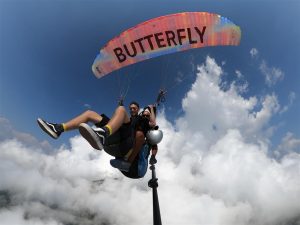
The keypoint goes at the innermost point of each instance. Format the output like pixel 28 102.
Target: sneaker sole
pixel 87 132
pixel 46 128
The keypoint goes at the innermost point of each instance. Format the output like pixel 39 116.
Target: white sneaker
pixel 95 136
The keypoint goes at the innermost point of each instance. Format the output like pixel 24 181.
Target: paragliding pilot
pixel 128 139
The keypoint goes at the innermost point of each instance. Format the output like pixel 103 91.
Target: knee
pixel 121 109
pixel 89 114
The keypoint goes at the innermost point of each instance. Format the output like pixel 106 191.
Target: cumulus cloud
pixel 217 110
pixel 272 74
pixel 289 144
pixel 74 186
pixel 213 168
pixel 8 132
pixel 234 183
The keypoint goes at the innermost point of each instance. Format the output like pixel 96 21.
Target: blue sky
pixel 231 146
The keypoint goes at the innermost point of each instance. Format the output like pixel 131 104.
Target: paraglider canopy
pixel 164 35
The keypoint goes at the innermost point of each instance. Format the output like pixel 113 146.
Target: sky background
pixel 231 148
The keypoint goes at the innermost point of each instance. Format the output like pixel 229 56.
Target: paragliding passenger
pixel 120 136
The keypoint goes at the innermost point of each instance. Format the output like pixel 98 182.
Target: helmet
pixel 154 136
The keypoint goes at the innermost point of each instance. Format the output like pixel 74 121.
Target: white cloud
pixel 254 52
pixel 238 74
pixel 289 144
pixel 61 187
pixel 8 132
pixel 240 84
pixel 291 99
pixel 88 106
pixel 272 75
pixel 211 111
pixel 213 168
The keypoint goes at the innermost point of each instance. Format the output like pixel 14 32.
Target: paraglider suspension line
pixel 160 97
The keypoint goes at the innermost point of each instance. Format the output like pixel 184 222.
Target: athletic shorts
pixel 119 143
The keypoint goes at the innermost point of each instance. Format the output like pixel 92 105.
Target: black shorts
pixel 119 143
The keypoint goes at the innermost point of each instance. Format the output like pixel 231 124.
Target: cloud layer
pixel 214 167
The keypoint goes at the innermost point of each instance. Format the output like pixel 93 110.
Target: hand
pixel 152 123
pixel 153 160
pixel 154 148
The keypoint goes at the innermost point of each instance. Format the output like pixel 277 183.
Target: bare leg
pixel 139 141
pixel 120 116
pixel 87 116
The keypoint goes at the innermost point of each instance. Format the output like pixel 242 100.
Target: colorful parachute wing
pixel 165 35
